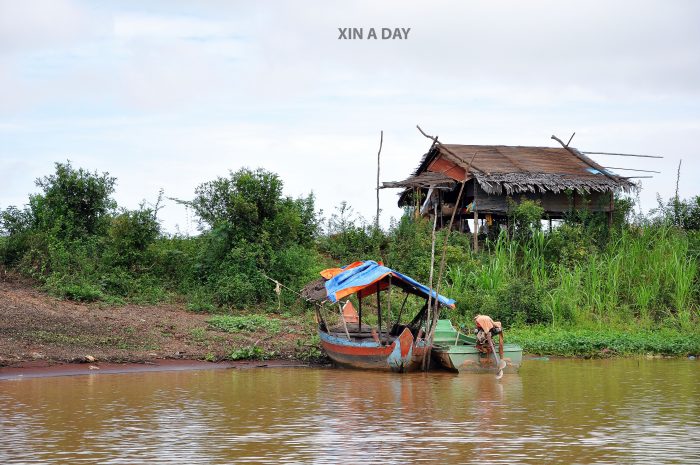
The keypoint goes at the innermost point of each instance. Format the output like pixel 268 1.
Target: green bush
pixel 251 353
pixel 244 323
pixel 129 235
pixel 525 216
pixel 604 342
pixel 74 290
pixel 199 301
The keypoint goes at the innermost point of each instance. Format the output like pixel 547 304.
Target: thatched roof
pixel 425 179
pixel 501 169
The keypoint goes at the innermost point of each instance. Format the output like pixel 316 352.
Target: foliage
pixel 309 350
pixel 684 214
pixel 604 342
pixel 349 236
pixel 584 274
pixel 244 323
pixel 74 202
pixel 525 216
pixel 251 353
pixel 252 231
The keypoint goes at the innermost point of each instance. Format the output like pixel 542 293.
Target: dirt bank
pixel 36 328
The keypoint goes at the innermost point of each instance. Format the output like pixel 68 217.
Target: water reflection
pixel 568 411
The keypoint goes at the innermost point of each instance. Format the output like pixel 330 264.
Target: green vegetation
pixel 249 323
pixel 583 288
pixel 251 353
pixel 604 342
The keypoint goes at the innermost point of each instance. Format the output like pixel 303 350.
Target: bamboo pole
pixel 381 142
pixel 388 310
pixel 475 233
pixel 631 169
pixel 430 282
pixel 398 318
pixel 342 318
pixel 622 154
pixel 436 312
pixel 379 315
pixel 359 311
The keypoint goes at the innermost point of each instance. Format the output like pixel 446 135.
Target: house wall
pixel 551 202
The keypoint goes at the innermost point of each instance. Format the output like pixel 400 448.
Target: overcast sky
pixel 169 94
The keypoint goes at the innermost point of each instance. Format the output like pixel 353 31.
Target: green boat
pixel 456 351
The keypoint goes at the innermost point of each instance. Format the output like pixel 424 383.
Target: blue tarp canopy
pixel 367 277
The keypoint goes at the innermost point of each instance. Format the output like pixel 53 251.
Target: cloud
pixel 40 24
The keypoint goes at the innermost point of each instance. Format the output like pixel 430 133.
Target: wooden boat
pixel 394 346
pixel 400 354
pixel 458 352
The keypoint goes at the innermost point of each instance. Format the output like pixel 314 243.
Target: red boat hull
pixel 402 355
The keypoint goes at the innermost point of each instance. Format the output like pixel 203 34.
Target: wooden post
pixel 381 141
pixel 610 211
pixel 379 315
pixel 388 310
pixel 416 212
pixel 398 318
pixel 476 221
pixel 359 316
pixel 432 268
pixel 436 311
pixel 342 318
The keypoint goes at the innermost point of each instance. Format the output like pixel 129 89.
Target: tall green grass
pixel 647 275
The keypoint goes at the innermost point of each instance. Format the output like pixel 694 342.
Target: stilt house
pixel 561 179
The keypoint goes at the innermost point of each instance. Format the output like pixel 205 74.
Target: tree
pixel 74 202
pixel 249 205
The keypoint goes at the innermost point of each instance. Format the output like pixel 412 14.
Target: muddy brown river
pixel 554 411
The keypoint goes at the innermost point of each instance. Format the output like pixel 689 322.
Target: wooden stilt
pixel 475 233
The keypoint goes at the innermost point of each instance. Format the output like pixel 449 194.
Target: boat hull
pixel 402 355
pixel 468 359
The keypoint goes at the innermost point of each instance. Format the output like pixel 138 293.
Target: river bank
pixel 38 330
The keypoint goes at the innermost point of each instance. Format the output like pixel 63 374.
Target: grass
pixel 545 340
pixel 244 323
pixel 198 334
pixel 648 276
pixel 251 353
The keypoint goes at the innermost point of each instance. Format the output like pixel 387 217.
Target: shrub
pixel 74 202
pixel 251 353
pixel 525 216
pixel 245 323
pixel 74 290
pixel 130 233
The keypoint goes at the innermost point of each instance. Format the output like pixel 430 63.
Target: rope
pixel 279 286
